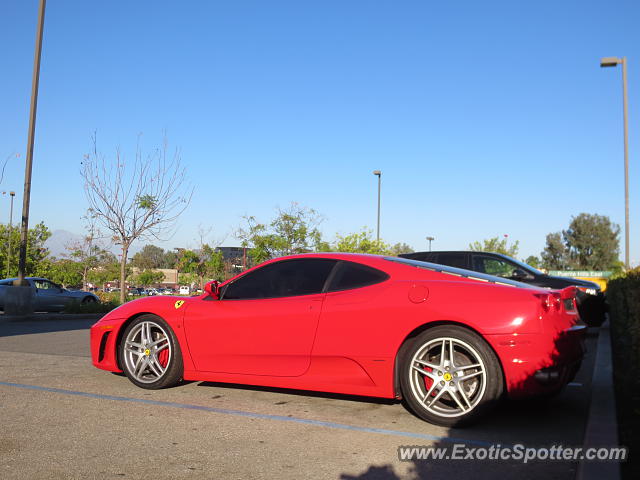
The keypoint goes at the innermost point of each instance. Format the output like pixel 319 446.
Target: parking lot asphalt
pixel 62 418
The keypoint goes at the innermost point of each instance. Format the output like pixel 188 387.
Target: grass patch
pixel 623 294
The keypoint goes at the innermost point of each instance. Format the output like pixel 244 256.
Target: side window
pixel 353 275
pixel 452 260
pixel 493 266
pixel 282 279
pixel 43 284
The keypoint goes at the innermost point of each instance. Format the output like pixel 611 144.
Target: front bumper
pixel 103 340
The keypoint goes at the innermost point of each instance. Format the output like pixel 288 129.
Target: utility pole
pixel 378 173
pixel 11 194
pixel 24 229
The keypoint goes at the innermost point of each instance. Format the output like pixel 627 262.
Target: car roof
pixel 371 259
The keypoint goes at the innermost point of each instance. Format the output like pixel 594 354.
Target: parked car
pixel 185 290
pixel 49 296
pixel 448 341
pixel 592 305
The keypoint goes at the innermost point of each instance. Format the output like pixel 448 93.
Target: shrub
pixel 91 307
pixel 623 295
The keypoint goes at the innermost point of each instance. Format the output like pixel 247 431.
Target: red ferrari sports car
pixel 449 342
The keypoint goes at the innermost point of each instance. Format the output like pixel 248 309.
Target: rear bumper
pixel 535 364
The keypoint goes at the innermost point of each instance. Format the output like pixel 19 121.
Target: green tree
pixel 206 263
pixel 106 273
pixel 64 271
pixel 555 255
pixel 36 251
pixel 496 245
pixel 147 278
pixel 400 248
pixel 294 230
pixel 214 266
pixel 170 259
pixel 533 261
pixel 592 242
pixel 361 242
pixel 149 257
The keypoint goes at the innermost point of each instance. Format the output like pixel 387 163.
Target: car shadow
pixel 302 393
pixel 14 327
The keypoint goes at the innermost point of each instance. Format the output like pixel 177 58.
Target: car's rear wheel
pixel 449 376
pixel 149 353
pixel 87 300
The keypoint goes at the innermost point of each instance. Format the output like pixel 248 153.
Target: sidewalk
pixel 602 425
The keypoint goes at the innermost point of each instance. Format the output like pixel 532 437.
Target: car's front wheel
pixel 449 376
pixel 149 353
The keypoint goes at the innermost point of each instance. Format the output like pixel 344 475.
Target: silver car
pixel 49 296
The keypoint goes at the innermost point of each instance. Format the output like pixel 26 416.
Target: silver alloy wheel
pixel 448 377
pixel 147 352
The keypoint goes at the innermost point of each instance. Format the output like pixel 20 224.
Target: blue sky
pixel 486 118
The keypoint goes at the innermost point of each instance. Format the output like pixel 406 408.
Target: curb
pixel 43 317
pixel 602 425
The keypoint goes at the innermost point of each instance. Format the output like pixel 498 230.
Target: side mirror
pixel 213 289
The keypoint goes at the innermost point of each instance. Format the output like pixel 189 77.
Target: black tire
pixel 161 370
pixel 449 393
pixel 87 300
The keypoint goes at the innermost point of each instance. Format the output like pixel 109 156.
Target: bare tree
pixel 90 251
pixel 137 199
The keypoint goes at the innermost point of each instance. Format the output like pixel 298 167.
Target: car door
pixel 264 323
pixel 49 296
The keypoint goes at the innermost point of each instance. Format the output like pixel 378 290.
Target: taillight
pixel 550 301
pixel 556 300
pixel 568 296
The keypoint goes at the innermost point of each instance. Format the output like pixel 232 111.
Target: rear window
pixel 353 275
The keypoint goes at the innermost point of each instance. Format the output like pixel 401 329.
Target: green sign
pixel 580 273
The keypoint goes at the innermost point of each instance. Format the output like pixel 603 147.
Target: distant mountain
pixel 59 241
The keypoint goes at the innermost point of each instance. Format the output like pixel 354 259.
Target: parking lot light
pixel 613 62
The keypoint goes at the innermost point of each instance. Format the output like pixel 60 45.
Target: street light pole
pixel 430 239
pixel 379 174
pixel 11 194
pixel 612 62
pixel 29 161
